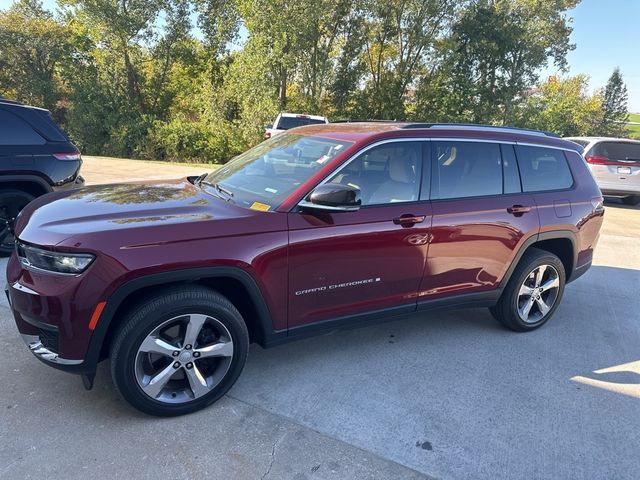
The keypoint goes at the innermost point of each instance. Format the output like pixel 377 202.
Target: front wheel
pixel 179 351
pixel 533 292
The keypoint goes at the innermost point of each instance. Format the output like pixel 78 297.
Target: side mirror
pixel 333 197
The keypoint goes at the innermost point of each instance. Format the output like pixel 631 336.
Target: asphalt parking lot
pixel 444 395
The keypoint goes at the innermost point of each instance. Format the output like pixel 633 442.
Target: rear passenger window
pixel 15 131
pixel 543 169
pixel 465 169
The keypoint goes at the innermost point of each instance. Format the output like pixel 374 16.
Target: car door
pixel 343 264
pixel 480 217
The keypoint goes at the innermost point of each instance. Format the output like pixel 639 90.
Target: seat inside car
pixel 401 181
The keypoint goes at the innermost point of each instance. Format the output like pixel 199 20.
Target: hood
pixel 132 214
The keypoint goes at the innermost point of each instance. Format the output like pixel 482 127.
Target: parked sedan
pixel 615 164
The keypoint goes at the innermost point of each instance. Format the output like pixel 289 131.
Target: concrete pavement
pixel 447 395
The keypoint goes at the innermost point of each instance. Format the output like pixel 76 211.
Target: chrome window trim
pixel 471 140
pixel 427 139
pixel 366 149
pixel 553 147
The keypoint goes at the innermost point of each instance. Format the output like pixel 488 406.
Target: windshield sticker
pixel 335 286
pixel 261 207
pixel 270 190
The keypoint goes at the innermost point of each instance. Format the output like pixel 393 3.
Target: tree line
pixel 197 80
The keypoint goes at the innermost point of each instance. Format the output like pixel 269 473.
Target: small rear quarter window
pixel 15 131
pixel 543 169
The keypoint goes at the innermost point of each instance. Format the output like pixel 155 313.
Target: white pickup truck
pixel 285 121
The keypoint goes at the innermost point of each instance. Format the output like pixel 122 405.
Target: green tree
pixel 615 113
pixel 33 46
pixel 400 40
pixel 494 52
pixel 562 106
pixel 277 31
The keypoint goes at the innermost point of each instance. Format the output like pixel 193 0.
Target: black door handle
pixel 518 210
pixel 409 220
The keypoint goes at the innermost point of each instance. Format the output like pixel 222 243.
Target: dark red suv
pixel 320 227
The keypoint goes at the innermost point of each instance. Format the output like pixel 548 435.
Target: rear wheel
pixel 179 351
pixel 533 292
pixel 631 200
pixel 11 202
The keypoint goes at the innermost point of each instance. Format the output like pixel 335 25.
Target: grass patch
pixel 634 130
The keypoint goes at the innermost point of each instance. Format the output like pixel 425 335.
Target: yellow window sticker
pixel 262 207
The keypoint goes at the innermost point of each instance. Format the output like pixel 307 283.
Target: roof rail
pixel 369 121
pixel 485 128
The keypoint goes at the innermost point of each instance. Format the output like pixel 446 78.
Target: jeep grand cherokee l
pixel 320 227
pixel 35 158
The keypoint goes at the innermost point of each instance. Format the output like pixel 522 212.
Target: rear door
pixel 348 263
pixel 481 217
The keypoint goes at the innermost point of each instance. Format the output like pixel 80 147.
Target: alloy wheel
pixel 183 358
pixel 538 293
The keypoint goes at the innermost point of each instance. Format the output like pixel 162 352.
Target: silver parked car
pixel 615 164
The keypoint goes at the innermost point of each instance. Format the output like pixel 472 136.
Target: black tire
pixel 631 200
pixel 506 310
pixel 11 202
pixel 151 313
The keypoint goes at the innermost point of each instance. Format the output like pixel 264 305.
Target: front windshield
pixel 264 176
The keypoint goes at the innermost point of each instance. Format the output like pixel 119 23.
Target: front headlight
pixel 58 262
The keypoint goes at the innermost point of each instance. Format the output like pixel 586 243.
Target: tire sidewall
pixel 547 259
pixel 123 360
pixel 13 194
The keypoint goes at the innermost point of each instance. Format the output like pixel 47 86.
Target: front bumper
pixel 42 338
pixel 52 314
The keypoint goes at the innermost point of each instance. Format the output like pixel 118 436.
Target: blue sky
pixel 605 33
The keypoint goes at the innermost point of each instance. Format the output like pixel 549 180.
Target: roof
pixel 378 130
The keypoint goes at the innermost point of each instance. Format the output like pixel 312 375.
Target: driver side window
pixel 388 173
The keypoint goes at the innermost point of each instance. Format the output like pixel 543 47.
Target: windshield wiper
pixel 221 189
pixel 218 188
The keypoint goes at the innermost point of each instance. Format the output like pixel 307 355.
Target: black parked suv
pixel 36 157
